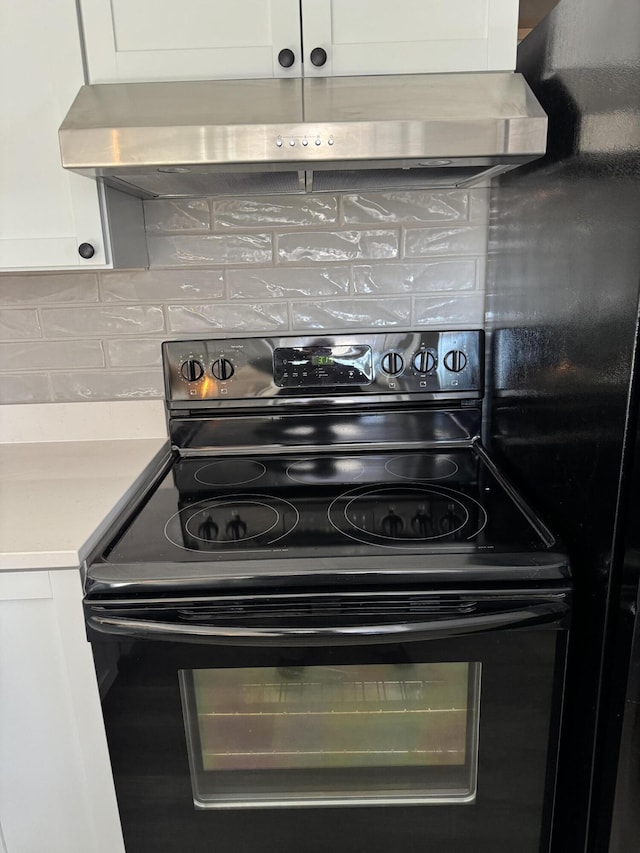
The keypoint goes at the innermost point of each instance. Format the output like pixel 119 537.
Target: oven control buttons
pixel 222 369
pixel 424 361
pixel 455 360
pixel 191 369
pixel 392 363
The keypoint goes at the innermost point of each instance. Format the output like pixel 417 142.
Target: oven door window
pixel 328 735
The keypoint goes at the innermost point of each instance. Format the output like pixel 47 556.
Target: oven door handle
pixel 552 613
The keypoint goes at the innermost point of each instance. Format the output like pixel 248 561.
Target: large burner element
pixel 406 516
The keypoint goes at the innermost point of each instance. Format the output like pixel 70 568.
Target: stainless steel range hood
pixel 300 135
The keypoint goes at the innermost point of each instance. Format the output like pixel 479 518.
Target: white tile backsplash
pixel 404 207
pixel 186 285
pixel 275 211
pixel 285 282
pixel 463 240
pixel 225 266
pixel 38 289
pixel 351 245
pixel 351 313
pixel 240 317
pixel 134 352
pixel 450 311
pixel 415 277
pixel 177 215
pixel 209 249
pixel 107 385
pixel 112 319
pixel 51 355
pixel 18 323
pixel 25 388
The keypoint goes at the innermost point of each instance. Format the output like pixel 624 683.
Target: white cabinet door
pixel 45 212
pixel 56 788
pixel 409 36
pixel 189 40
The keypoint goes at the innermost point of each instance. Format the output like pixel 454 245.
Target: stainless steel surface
pixel 460 125
pixel 252 371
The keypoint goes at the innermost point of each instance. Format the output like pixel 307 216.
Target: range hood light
pixel 435 163
pixel 174 170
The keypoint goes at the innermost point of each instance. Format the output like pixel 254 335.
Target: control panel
pixel 433 363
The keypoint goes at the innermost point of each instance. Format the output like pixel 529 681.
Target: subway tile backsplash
pixel 219 267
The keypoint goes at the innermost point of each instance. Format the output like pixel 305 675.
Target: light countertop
pixel 57 497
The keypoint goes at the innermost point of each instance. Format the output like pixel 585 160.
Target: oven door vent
pixel 326 608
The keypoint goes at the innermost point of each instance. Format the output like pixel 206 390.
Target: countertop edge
pixel 55 558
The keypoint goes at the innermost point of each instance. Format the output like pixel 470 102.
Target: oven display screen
pixel 322 366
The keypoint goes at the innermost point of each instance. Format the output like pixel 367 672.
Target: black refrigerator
pixel 563 283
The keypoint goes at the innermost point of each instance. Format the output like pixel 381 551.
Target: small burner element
pixel 225 522
pixel 230 472
pixel 422 466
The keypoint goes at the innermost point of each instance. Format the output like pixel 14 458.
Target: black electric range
pixel 327 596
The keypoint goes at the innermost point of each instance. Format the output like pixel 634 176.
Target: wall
pixel 244 266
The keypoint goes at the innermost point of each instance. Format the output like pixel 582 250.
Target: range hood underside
pixel 260 180
pixel 248 137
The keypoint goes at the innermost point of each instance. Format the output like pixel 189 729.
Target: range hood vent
pixel 249 137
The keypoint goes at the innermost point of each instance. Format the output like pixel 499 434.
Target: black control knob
pixel 236 528
pixel 424 361
pixel 392 524
pixel 286 57
pixel 191 370
pixel 455 360
pixel 422 523
pixel 86 251
pixel 208 530
pixel 222 369
pixel 318 56
pixel 392 363
pixel 451 521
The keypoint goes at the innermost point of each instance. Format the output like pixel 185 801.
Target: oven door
pixel 412 719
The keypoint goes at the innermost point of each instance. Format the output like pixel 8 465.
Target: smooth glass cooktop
pixel 221 508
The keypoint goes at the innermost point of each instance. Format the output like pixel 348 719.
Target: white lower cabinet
pixel 56 788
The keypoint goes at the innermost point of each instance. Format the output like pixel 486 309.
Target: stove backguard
pixel 328 390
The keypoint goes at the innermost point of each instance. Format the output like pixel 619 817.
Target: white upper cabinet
pixel 408 36
pixel 46 213
pixel 160 40
pixel 189 40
